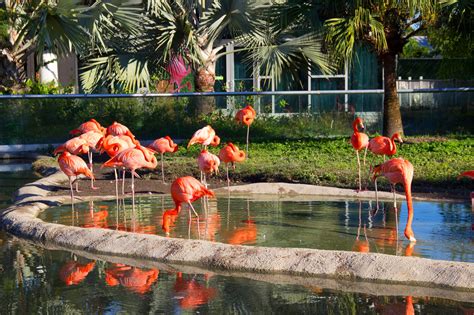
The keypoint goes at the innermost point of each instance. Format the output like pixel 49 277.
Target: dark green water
pixel 443 230
pixel 37 280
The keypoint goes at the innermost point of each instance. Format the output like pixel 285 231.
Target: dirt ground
pixel 151 183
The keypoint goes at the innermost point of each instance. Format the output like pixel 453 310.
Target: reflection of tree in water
pixel 455 216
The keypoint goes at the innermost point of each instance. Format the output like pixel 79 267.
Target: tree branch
pixel 413 33
pixel 419 18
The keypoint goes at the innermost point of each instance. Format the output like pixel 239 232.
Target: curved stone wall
pixel 21 220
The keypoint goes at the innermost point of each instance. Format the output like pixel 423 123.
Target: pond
pixel 443 230
pixel 34 279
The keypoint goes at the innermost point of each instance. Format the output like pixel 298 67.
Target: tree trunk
pixel 204 82
pixel 392 118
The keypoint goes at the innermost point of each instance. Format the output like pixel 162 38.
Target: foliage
pixel 413 49
pixel 36 87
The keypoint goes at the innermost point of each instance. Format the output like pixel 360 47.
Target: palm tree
pixel 386 26
pixel 178 27
pixel 58 26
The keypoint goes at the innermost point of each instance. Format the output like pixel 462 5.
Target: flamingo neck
pixel 393 146
pixel 354 127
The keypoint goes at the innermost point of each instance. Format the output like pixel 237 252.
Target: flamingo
pixel 205 136
pixel 163 145
pixel 208 163
pixel 135 279
pixel 91 125
pixel 397 171
pixel 231 154
pixel 92 138
pixel 178 71
pixel 246 116
pixel 467 174
pixel 384 146
pixel 117 129
pixel 133 159
pixel 169 218
pixel 187 189
pixel 359 141
pixel 74 273
pixel 113 145
pixel 74 146
pixel 73 166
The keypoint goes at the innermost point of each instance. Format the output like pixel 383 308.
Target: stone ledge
pixel 20 220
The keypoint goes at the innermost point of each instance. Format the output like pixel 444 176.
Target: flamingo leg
pixel 162 169
pixel 247 146
pixel 358 165
pixel 72 190
pixel 123 183
pixel 227 174
pixel 91 167
pixel 197 216
pixel 116 184
pixel 365 153
pixel 133 190
pixel 376 195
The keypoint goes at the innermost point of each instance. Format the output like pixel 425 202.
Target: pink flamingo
pixel 178 71
pixel 359 141
pixel 112 145
pixel 117 129
pixel 91 125
pixel 398 171
pixel 73 166
pixel 133 278
pixel 187 189
pixel 92 138
pixel 205 136
pixel 384 146
pixel 74 146
pixel 246 116
pixel 230 153
pixel 163 145
pixel 133 159
pixel 208 163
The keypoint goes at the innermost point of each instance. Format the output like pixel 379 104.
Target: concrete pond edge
pixel 21 220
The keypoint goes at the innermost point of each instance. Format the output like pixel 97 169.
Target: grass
pixel 332 162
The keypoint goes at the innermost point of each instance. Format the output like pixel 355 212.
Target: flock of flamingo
pixel 127 154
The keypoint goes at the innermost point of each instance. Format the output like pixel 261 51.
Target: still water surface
pixel 37 280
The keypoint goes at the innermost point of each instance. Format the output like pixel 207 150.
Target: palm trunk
pixel 392 118
pixel 204 80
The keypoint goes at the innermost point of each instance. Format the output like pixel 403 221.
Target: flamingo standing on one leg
pixel 163 145
pixel 399 171
pixel 205 136
pixel 133 159
pixel 187 189
pixel 384 146
pixel 92 138
pixel 231 154
pixel 73 166
pixel 91 125
pixel 208 163
pixel 246 116
pixel 359 141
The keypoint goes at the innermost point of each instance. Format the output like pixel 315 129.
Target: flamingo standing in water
pixel 246 116
pixel 384 146
pixel 178 71
pixel 133 159
pixel 73 166
pixel 91 125
pixel 359 141
pixel 230 153
pixel 398 171
pixel 208 163
pixel 205 136
pixel 187 189
pixel 163 145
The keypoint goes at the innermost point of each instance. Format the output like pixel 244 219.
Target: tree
pixel 386 26
pixel 172 28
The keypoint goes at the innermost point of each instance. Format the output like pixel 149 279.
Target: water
pixel 34 279
pixel 443 230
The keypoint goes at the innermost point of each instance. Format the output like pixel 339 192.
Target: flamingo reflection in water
pixel 132 278
pixel 190 293
pixel 73 273
pixel 246 234
pixel 96 219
